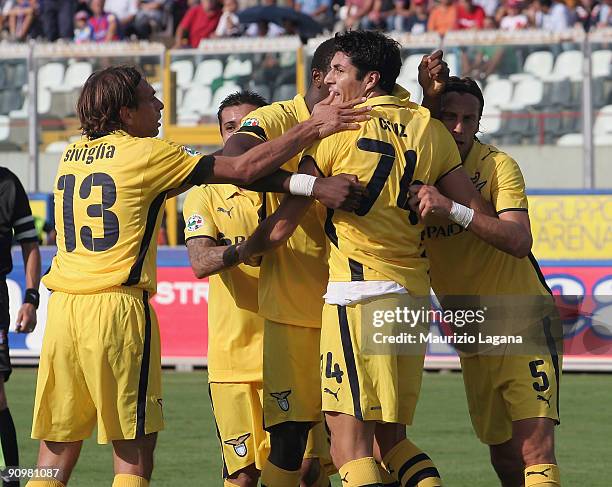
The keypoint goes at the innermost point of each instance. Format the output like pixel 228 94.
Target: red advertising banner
pixel 181 306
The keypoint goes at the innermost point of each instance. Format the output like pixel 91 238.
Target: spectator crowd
pixel 187 22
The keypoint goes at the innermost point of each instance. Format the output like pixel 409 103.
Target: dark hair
pixel 102 97
pixel 546 3
pixel 372 51
pixel 323 55
pixel 465 85
pixel 241 98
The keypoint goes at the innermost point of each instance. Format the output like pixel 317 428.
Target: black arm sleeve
pixel 22 220
pixel 202 171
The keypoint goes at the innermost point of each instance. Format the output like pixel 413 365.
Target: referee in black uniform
pixel 16 222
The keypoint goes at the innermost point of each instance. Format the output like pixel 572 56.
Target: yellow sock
pixel 45 483
pixel 356 473
pixel 227 483
pixel 322 479
pixel 388 480
pixel 273 476
pixel 543 475
pixel 408 464
pixel 127 480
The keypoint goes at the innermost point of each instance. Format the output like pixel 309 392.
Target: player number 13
pixel 110 222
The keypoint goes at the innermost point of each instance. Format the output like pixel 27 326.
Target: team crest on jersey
pixel 194 222
pixel 239 444
pixel 281 398
pixel 191 152
pixel 250 122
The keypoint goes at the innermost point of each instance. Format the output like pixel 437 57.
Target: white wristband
pixel 301 184
pixel 461 215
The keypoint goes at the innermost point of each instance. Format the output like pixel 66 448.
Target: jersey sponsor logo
pixel 223 240
pixel 194 222
pixel 227 212
pixel 88 154
pixel 250 122
pixel 239 444
pixel 544 399
pixel 281 398
pixel 541 472
pixel 439 231
pixel 332 393
pixel 191 152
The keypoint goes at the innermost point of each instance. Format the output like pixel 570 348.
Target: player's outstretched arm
pixel 266 158
pixel 509 232
pixel 207 258
pixel 278 227
pixel 337 192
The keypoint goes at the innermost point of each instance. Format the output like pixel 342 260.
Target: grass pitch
pixel 188 455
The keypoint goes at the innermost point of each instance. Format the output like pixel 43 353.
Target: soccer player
pixel 100 359
pixel 376 253
pixel 16 222
pixel 216 216
pixel 513 400
pixel 291 283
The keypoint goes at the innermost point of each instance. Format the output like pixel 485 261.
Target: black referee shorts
pixel 5 359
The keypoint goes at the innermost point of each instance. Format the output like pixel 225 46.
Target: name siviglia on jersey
pixel 477 267
pixel 292 278
pixel 400 145
pixel 109 193
pixel 229 215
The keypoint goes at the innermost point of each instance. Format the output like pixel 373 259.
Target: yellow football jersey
pixel 109 194
pixel 229 215
pixel 293 278
pixel 401 144
pixel 463 264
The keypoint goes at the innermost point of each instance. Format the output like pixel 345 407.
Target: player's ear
pixel 317 78
pixel 372 78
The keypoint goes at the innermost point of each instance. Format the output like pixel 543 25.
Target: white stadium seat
pixel 57 147
pixel 538 64
pixel 51 75
pixel 184 72
pixel 235 68
pixel 498 93
pixel 207 71
pixel 568 65
pixel 602 130
pixel 527 92
pixel 195 103
pixel 601 63
pixel 75 77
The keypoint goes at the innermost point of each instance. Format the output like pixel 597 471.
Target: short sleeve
pixel 267 123
pixel 21 218
pixel 508 186
pixel 445 156
pixel 198 215
pixel 170 165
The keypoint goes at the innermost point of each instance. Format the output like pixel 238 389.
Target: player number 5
pixel 539 374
